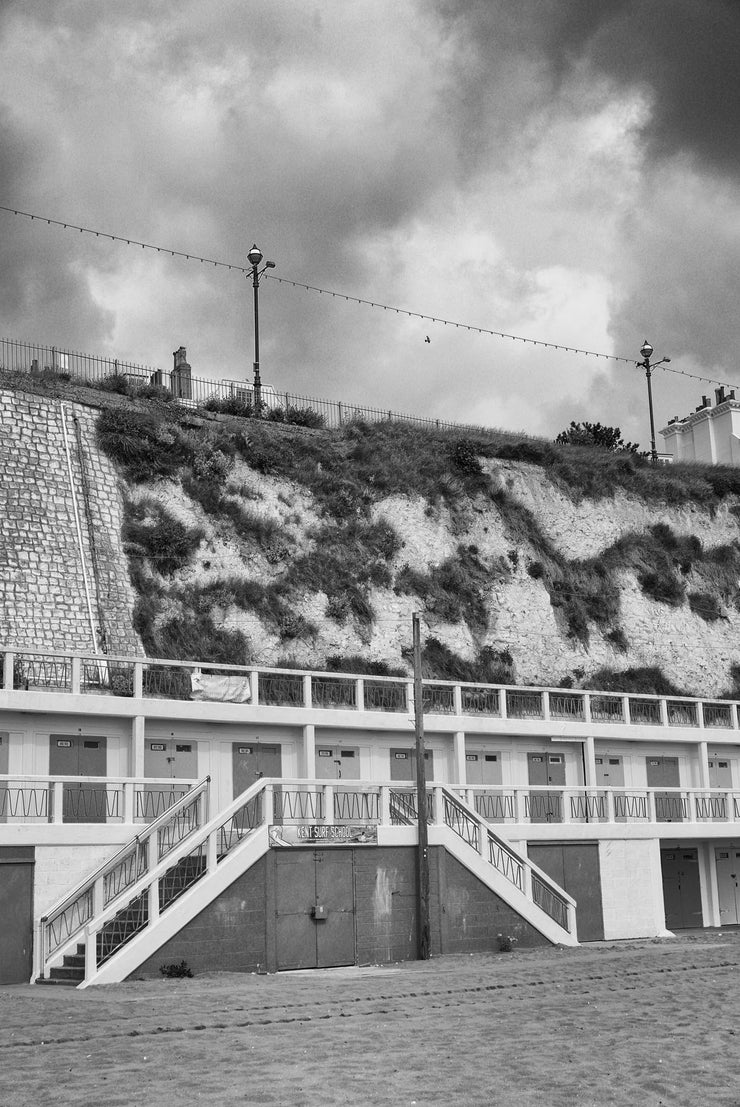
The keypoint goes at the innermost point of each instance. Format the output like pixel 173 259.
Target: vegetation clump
pixel 489 666
pixel 597 435
pixel 143 443
pixel 151 532
pixel 648 681
pixel 455 591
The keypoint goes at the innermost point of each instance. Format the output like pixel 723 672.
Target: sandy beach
pixel 633 1023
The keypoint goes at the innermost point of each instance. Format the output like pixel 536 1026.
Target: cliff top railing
pixel 90 369
pixel 83 673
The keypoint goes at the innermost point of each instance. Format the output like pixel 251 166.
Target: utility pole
pixel 422 852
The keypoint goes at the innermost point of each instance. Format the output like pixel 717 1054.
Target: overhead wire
pixel 424 317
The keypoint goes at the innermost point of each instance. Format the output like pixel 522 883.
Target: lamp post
pixel 646 352
pixel 254 257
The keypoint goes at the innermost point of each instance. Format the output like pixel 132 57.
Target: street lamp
pixel 646 351
pixel 254 257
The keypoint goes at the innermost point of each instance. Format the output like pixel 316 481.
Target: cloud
pixel 533 168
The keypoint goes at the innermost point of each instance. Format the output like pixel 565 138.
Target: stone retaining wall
pixel 49 551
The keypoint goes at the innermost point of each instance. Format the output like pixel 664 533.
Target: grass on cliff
pixel 350 470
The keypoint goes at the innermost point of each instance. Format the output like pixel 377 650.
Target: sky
pixel 562 170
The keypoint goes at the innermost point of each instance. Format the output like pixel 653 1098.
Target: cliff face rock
pixel 237 541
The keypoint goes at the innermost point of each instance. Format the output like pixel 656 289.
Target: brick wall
pixel 59 868
pixel 227 936
pixel 235 933
pixel 42 599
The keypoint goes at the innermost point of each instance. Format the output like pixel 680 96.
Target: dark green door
pixel 314 916
pixel 575 867
pixel 662 772
pixel 681 888
pixel 403 764
pixel 16 914
pixel 545 768
pixel 73 755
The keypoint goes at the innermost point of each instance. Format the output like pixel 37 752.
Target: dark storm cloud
pixel 481 160
pixel 684 52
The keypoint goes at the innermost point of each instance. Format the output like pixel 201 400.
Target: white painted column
pixel 703 750
pixel 137 746
pixel 709 886
pixel 458 746
pixel 589 761
pixel 309 751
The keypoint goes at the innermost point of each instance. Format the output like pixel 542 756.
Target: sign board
pixel 324 834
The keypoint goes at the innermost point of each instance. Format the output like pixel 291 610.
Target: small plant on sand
pixel 176 970
pixel 506 943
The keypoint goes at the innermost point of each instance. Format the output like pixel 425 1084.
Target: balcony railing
pixel 502 804
pixel 39 671
pixel 87 799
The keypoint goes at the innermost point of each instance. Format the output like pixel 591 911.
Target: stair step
pixel 74 961
pixel 65 974
pixel 59 983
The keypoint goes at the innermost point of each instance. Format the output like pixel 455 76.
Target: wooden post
pixel 422 852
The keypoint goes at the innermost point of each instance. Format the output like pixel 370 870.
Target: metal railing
pixel 512 805
pixel 65 672
pixel 517 869
pixel 567 706
pixel 552 902
pixel 153 871
pixel 438 699
pixel 87 799
pixel 524 705
pixel 63 923
pixel 234 396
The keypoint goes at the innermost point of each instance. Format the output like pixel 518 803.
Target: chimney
pixel 181 358
pixel 719 395
pixel 181 383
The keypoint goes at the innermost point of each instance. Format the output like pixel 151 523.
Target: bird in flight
pixel 427 339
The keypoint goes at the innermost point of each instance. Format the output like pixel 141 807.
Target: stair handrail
pixel 203 834
pixel 529 878
pixel 88 883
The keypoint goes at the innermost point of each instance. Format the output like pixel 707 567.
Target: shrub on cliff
pixel 145 445
pixel 638 681
pixel 150 532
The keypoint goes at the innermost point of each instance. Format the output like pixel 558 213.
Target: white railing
pixel 87 799
pixel 155 881
pixel 40 671
pixel 547 804
pixel 63 923
pixel 517 869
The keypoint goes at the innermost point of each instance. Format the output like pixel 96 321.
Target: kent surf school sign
pixel 323 834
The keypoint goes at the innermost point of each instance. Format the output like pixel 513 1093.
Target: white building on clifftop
pixel 710 434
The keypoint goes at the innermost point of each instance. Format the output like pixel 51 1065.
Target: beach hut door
pixel 681 891
pixel 544 769
pixel 662 772
pixel 76 755
pixel 728 879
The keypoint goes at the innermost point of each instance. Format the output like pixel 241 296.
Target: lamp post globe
pixel 646 350
pixel 254 257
